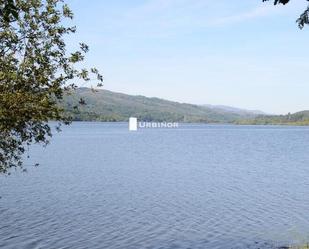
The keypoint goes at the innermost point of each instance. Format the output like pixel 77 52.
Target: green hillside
pixel 299 118
pixel 110 106
pixel 105 105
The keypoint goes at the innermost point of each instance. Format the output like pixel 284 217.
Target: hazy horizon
pixel 248 55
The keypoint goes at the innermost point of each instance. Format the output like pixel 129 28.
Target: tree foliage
pixel 36 69
pixel 304 17
pixel 8 10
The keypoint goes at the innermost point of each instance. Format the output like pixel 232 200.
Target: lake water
pixel 198 186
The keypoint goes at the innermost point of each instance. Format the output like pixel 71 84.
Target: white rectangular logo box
pixel 133 124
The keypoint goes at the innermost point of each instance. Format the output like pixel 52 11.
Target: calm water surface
pixel 199 186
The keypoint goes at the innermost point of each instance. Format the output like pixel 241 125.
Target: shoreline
pixel 197 123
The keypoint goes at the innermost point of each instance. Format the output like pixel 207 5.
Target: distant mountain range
pixel 105 105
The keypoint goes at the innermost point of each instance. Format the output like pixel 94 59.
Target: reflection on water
pixel 198 186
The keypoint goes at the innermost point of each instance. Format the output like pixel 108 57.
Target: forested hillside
pixel 110 106
pixel 299 118
pixel 105 105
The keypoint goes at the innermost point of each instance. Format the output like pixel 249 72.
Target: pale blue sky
pixel 241 53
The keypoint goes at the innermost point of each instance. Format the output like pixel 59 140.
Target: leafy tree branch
pixel 36 70
pixel 304 17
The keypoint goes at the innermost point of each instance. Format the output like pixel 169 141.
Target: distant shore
pixel 111 106
pixel 205 123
